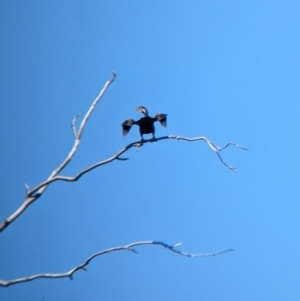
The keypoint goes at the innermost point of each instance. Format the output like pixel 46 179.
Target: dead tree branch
pixel 33 194
pixel 32 197
pixel 138 144
pixel 129 247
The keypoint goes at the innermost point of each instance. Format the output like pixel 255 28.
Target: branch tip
pixel 122 159
pixel 73 124
pixel 134 251
pixel 27 190
pixel 177 245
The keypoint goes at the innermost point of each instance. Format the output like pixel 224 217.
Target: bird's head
pixel 142 110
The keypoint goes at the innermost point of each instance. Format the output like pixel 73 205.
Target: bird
pixel 146 123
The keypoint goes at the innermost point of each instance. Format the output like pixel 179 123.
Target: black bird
pixel 146 124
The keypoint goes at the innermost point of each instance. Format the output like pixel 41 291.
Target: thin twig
pixel 73 126
pixel 30 198
pixel 213 146
pixel 129 247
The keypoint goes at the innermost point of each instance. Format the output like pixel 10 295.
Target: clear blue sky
pixel 228 70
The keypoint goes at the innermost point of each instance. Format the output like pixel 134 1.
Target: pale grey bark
pixel 33 194
pixel 82 266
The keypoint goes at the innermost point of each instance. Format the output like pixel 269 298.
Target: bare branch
pixel 73 124
pixel 82 266
pixel 81 128
pixel 36 192
pixel 116 156
pixel 213 146
pixel 33 196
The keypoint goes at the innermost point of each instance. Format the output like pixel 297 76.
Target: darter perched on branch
pixel 146 124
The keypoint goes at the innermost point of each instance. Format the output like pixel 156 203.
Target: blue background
pixel 228 70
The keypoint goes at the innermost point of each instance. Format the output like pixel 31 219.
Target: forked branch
pixel 32 197
pixel 83 265
pixel 138 144
pixel 33 194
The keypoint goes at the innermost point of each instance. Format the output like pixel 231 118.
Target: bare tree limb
pixel 33 194
pixel 116 156
pixel 30 197
pixel 129 247
pixel 213 146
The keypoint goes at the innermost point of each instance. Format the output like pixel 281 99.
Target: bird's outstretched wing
pixel 126 126
pixel 162 118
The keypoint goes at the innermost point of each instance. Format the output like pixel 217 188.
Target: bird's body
pixel 146 124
